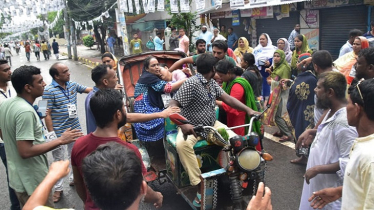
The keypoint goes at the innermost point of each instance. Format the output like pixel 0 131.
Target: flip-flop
pixel 197 201
pixel 277 134
pixel 57 196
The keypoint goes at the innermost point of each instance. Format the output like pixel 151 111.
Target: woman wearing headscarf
pixel 345 64
pixel 109 59
pixel 243 47
pixel 284 45
pixel 301 46
pixel 239 88
pixel 148 99
pixel 300 105
pixel 281 71
pixel 264 54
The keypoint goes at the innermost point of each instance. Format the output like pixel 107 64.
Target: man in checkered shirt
pixel 197 100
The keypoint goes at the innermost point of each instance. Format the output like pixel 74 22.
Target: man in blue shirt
pixel 110 41
pixel 159 42
pixel 62 103
pixel 293 34
pixel 347 47
pixel 232 38
pixel 207 36
pixel 370 34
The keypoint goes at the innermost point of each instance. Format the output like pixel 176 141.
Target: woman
pixel 263 54
pixel 243 47
pixel 345 64
pixel 109 59
pixel 251 73
pixel 239 88
pixel 284 45
pixel 301 46
pixel 148 99
pixel 300 105
pixel 278 109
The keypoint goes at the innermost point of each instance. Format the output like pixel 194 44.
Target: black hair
pixel 200 41
pixel 109 55
pixel 250 59
pixel 158 33
pixel 3 61
pixel 99 72
pixel 220 44
pixel 163 65
pixel 23 76
pixel 104 104
pixel 368 54
pixel 54 40
pixel 224 66
pixel 205 63
pixel 367 100
pixel 372 23
pixel 300 37
pixel 113 176
pixel 322 58
pixel 53 71
pixel 335 81
pixel 147 61
pixel 223 26
pixel 354 33
pixel 231 29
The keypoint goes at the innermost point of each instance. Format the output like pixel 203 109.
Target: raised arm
pixel 180 62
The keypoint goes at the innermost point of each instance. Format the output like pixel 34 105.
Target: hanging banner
pixel 185 6
pixel 131 8
pixel 234 4
pixel 161 5
pixel 145 6
pixel 309 19
pixel 137 6
pixel 174 6
pixel 151 6
pixel 259 12
pixel 236 17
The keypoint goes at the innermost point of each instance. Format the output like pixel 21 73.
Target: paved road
pixel 284 179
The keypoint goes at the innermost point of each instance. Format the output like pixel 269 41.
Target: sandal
pixel 197 201
pixel 285 138
pixel 57 196
pixel 277 134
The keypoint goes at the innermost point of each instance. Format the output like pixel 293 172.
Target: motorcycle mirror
pixel 178 119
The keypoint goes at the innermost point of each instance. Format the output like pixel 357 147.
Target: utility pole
pixel 74 40
pixel 66 29
pixel 122 29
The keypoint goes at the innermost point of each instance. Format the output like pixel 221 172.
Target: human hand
pixel 170 110
pixel 187 71
pixel 321 198
pixel 233 46
pixel 59 169
pixel 252 113
pixel 310 173
pixel 70 136
pixel 268 70
pixel 260 202
pixel 302 139
pixel 267 63
pixel 187 129
pixel 118 87
pixel 160 198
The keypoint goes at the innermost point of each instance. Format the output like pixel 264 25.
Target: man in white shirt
pixel 7 91
pixel 347 47
pixel 334 138
pixel 217 36
pixel 207 36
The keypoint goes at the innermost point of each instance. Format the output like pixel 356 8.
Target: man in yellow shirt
pixel 44 48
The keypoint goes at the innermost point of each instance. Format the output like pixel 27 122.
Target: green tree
pixel 88 41
pixel 59 27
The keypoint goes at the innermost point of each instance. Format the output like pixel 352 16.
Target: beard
pixel 323 103
pixel 123 122
pixel 200 51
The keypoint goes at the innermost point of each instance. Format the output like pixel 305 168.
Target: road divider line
pixel 276 139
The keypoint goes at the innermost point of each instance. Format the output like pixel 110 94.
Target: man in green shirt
pixel 22 131
pixel 136 45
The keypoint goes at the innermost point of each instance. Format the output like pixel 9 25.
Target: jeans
pixel 37 55
pixel 59 154
pixel 12 195
pixel 46 54
pixel 111 49
pixel 28 56
pixel 9 59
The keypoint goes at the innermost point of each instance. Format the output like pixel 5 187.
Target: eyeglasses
pixel 359 91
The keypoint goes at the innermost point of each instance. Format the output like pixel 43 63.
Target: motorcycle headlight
pixel 248 159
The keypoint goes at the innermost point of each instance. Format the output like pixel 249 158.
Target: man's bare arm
pixel 180 62
pixel 79 184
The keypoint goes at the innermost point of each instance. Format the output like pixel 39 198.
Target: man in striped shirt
pixel 62 103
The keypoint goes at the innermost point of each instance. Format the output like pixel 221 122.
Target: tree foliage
pixel 59 27
pixel 88 41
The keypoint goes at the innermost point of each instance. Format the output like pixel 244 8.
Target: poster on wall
pixel 309 18
pixel 236 3
pixel 312 35
pixel 236 17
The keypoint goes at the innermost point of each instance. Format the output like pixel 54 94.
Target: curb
pixel 90 64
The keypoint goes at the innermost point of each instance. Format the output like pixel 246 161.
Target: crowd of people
pixel 306 92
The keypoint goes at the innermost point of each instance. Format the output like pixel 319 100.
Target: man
pixel 7 91
pixel 8 54
pixel 219 52
pixel 173 40
pixel 334 138
pixel 223 31
pixel 55 48
pixel 110 42
pixel 184 41
pixel 365 65
pixel 136 44
pixel 159 42
pixel 322 62
pixel 207 36
pixel 197 99
pixel 232 39
pixel 44 48
pixel 23 135
pixel 62 103
pixel 200 46
pixel 109 112
pixel 357 190
pixel 217 36
pixel 370 34
pixel 293 34
pixel 28 50
pixel 347 47
pixel 105 77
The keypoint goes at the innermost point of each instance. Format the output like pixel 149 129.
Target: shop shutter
pixel 335 24
pixel 277 28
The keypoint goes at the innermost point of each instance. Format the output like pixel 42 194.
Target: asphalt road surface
pixel 284 179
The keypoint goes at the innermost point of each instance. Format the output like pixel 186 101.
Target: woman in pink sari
pixel 345 64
